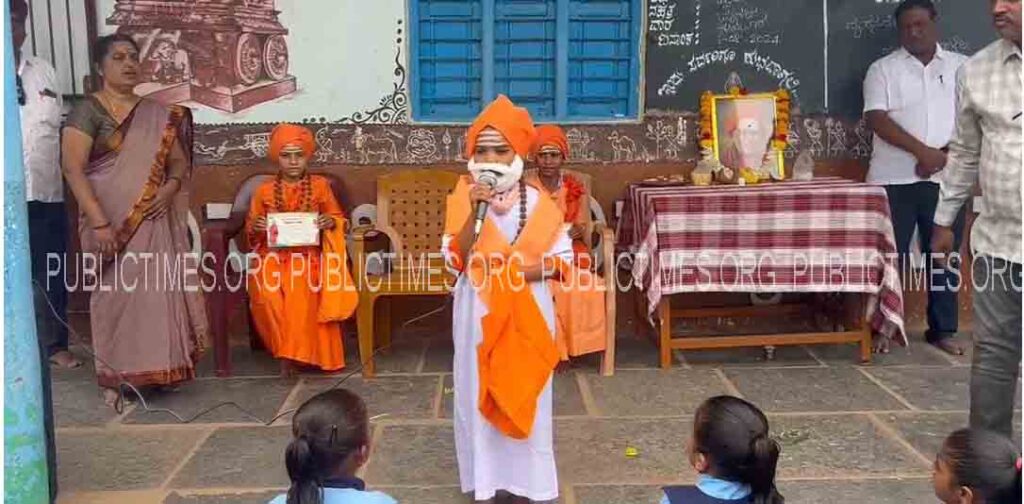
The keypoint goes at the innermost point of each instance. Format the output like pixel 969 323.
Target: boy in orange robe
pixel 579 295
pixel 503 315
pixel 298 296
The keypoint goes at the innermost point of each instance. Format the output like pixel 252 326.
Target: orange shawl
pixel 517 354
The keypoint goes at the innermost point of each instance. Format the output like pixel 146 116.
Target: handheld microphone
pixel 488 179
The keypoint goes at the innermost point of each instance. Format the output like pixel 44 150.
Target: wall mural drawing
pixel 244 65
pixel 394 107
pixel 226 54
pixel 251 62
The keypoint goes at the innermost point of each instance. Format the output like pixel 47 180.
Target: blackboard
pixel 860 32
pixel 697 45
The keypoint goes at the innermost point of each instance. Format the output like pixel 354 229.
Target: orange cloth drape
pixel 517 354
pixel 299 296
pixel 580 294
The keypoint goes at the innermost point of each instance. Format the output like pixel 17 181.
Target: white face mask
pixel 506 175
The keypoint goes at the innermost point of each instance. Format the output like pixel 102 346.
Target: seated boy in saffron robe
pixel 580 295
pixel 298 296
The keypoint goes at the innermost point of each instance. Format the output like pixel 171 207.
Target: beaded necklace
pixel 522 209
pixel 305 199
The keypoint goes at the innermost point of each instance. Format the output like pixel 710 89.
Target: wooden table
pixel 823 236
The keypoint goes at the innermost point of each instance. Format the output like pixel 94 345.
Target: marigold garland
pixel 706 135
pixel 781 138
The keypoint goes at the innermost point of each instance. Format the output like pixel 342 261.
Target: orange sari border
pixel 157 174
pixel 170 376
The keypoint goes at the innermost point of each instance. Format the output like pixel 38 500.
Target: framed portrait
pixel 741 128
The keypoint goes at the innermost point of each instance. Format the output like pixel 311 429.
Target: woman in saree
pixel 127 160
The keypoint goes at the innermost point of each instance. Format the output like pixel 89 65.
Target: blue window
pixel 561 59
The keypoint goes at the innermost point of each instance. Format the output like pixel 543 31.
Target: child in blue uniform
pixel 977 466
pixel 331 442
pixel 732 452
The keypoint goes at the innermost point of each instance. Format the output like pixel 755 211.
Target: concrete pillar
pixel 26 480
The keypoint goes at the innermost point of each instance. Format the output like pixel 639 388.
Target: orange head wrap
pixel 514 123
pixel 550 135
pixel 287 134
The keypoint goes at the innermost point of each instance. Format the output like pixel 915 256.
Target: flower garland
pixel 574 192
pixel 705 133
pixel 781 137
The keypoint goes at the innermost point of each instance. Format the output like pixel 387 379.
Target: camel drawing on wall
pixel 623 147
pixel 226 54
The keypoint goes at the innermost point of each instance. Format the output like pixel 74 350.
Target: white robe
pixel 488 460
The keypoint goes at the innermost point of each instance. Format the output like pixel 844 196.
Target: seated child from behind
pixel 331 442
pixel 733 454
pixel 976 466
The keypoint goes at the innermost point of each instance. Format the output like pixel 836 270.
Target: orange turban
pixel 513 122
pixel 550 134
pixel 287 134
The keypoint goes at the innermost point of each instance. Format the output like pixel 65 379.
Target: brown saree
pixel 148 320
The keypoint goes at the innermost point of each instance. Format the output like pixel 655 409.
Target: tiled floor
pixel 849 433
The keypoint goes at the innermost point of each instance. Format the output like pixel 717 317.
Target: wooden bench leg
pixel 865 329
pixel 665 341
pixel 364 328
pixel 383 325
pixel 865 347
pixel 608 359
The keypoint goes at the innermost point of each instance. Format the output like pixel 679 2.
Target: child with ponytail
pixel 732 452
pixel 977 466
pixel 331 442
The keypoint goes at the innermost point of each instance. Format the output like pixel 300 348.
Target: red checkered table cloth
pixel 825 235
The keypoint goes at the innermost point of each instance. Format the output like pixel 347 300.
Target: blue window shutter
pixel 524 54
pixel 561 59
pixel 602 59
pixel 448 65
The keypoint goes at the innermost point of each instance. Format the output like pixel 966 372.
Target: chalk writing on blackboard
pixel 868 25
pixel 753 39
pixel 671 85
pixel 698 61
pixel 743 24
pixel 661 15
pixel 763 63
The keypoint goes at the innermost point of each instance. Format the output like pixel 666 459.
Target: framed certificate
pixel 292 229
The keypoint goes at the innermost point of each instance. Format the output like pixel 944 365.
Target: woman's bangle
pixel 174 178
pixel 102 226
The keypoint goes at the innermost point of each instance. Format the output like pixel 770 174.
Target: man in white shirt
pixel 910 105
pixel 986 150
pixel 40 108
